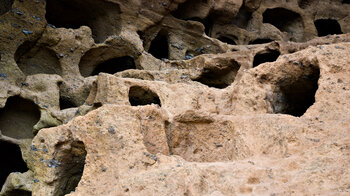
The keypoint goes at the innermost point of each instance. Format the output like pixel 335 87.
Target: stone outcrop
pixel 183 97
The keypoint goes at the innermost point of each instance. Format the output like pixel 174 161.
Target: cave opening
pixel 142 96
pixel 260 41
pixel 346 2
pixel 5 6
pixel 110 66
pixel 266 56
pixel 101 16
pixel 227 40
pixel 115 65
pixel 159 47
pixel 327 27
pixel 18 117
pixel 285 20
pixel 219 78
pixel 295 96
pixel 242 18
pixel 32 59
pixel 12 162
pixel 72 161
pixel 66 102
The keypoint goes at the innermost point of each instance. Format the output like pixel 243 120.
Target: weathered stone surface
pixel 181 97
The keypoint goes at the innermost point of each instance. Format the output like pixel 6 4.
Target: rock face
pixel 182 97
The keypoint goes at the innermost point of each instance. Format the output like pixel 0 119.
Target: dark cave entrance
pixel 346 2
pixel 260 41
pixel 111 66
pixel 142 96
pixel 33 59
pixel 5 6
pixel 12 161
pixel 159 47
pixel 294 97
pixel 72 162
pixel 243 17
pixel 18 117
pixel 227 40
pixel 115 65
pixel 101 16
pixel 285 20
pixel 266 56
pixel 219 78
pixel 327 27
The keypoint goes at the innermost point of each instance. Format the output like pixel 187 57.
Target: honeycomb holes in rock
pixel 219 78
pixel 327 27
pixel 111 66
pixel 5 6
pixel 159 47
pixel 18 117
pixel 33 59
pixel 101 16
pixel 295 96
pixel 266 56
pixel 242 18
pixel 70 159
pixel 286 21
pixel 139 96
pixel 12 162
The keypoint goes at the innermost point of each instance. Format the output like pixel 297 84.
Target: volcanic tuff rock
pixel 182 97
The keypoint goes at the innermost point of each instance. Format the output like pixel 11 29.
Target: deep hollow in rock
pixel 219 78
pixel 346 2
pixel 227 40
pixel 142 96
pixel 285 20
pixel 295 96
pixel 110 66
pixel 261 41
pixel 66 103
pixel 159 47
pixel 33 59
pixel 71 162
pixel 243 17
pixel 327 27
pixel 12 162
pixel 101 16
pixel 266 56
pixel 5 6
pixel 18 117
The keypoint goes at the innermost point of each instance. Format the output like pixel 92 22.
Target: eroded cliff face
pixel 196 97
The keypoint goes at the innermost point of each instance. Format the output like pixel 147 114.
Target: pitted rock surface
pixel 182 97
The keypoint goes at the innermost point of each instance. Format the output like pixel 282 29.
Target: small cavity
pixel 159 47
pixel 346 2
pixel 219 78
pixel 18 117
pixel 327 27
pixel 33 59
pixel 12 162
pixel 142 96
pixel 286 21
pixel 266 56
pixel 71 165
pixel 243 17
pixel 66 102
pixel 295 96
pixel 110 66
pixel 260 41
pixel 101 16
pixel 5 6
pixel 227 40
pixel 303 4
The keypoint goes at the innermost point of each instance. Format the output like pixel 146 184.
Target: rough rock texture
pixel 183 97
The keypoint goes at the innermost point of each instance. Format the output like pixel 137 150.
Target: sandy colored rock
pixel 183 97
